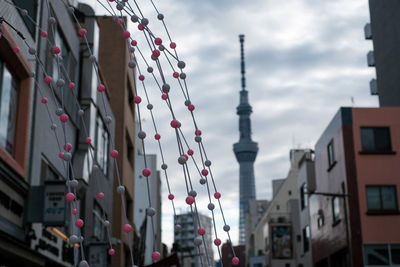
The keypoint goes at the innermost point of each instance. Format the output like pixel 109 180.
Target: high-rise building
pixel 245 151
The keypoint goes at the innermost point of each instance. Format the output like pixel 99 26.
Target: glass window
pixel 306 238
pixel 331 154
pixel 375 139
pixel 335 209
pixel 381 198
pixel 8 107
pixel 98 228
pixel 31 7
pixel 376 254
pixel 102 143
pixel 303 196
pixel 395 251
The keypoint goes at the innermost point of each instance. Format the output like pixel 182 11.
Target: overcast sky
pixel 304 59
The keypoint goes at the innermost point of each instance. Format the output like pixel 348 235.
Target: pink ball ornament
pixel 156 53
pixel 134 43
pixel 64 118
pixel 74 211
pixel 43 34
pixel 235 260
pixel 189 200
pixel 201 231
pixel 88 140
pixel 101 88
pixel 68 147
pixel 157 136
pixel 79 223
pixel 175 75
pixel 61 155
pixel 155 255
pixel 48 79
pixel 120 21
pixel 100 195
pixel 111 251
pixel 140 27
pixel 191 107
pixel 190 152
pixel 217 195
pixel 16 49
pixel 44 100
pixel 126 34
pixel 172 45
pixel 158 41
pixel 71 85
pixel 174 124
pixel 55 50
pixel 197 132
pixel 146 172
pixel 82 32
pixel 114 153
pixel 164 96
pixel 186 156
pixel 137 99
pixel 217 242
pixel 127 228
pixel 70 197
pixel 204 172
pixel 171 196
pixel 141 77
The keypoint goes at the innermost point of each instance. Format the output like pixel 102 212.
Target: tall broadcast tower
pixel 245 151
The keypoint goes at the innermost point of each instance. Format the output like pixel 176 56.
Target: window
pixel 381 198
pixel 320 221
pixel 376 254
pixel 98 227
pixel 8 107
pixel 375 139
pixel 303 196
pixel 31 7
pixel 395 253
pixel 129 149
pixel 130 96
pixel 47 173
pixel 102 141
pixel 331 155
pixel 306 239
pixel 335 209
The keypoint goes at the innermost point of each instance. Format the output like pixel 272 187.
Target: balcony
pixel 371 59
pixel 367 31
pixel 373 86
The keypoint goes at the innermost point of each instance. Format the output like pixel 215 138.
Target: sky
pixel 304 60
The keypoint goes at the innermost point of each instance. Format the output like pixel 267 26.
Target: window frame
pixel 388 150
pixel 336 218
pixel 389 251
pixel 106 147
pixel 331 156
pixel 382 210
pixel 303 196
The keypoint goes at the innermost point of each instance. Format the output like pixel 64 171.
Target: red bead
pixel 111 251
pixel 126 34
pixel 217 195
pixel 120 21
pixel 204 172
pixel 100 195
pixel 134 43
pixel 175 75
pixel 114 153
pixel 55 50
pixel 174 124
pixel 191 107
pixel 70 197
pixel 156 53
pixel 189 200
pixel 171 196
pixel 140 27
pixel 141 77
pixel 164 96
pixel 235 260
pixel 44 100
pixel 146 172
pixel 190 152
pixel 16 49
pixel 88 140
pixel 186 156
pixel 157 136
pixel 155 255
pixel 201 231
pixel 74 211
pixel 64 118
pixel 158 41
pixel 217 242
pixel 127 228
pixel 61 155
pixel 48 80
pixel 79 223
pixel 43 34
pixel 71 85
pixel 82 32
pixel 197 132
pixel 137 99
pixel 68 147
pixel 172 45
pixel 101 88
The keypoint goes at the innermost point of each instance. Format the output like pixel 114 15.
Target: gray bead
pixel 181 64
pixel 160 16
pixel 153 57
pixel 74 239
pixel 187 102
pixel 207 163
pixel 67 156
pixel 197 241
pixel 59 111
pixel 121 189
pixel 182 75
pixel 203 181
pixel 132 64
pixel 53 126
pixel 164 166
pixel 166 88
pixel 81 112
pixel 74 183
pixel 144 22
pixel 92 58
pixel 95 167
pixel 115 18
pixel 52 20
pixel 108 119
pixel 149 106
pixel 197 139
pixel 106 223
pixel 149 69
pixel 150 211
pixel 71 9
pixel 134 18
pixel 24 12
pixel 182 160
pixel 120 6
pixel 142 135
pixel 161 47
pixel 227 228
pixel 178 227
pixel 131 49
pixel 60 83
pixel 211 206
pixel 32 74
pixel 83 264
pixel 32 50
pixel 81 238
pixel 193 193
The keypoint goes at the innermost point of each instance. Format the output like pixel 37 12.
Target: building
pixel 384 30
pixel 245 152
pixel 183 239
pixel 227 254
pixel 354 208
pixel 113 60
pixel 143 222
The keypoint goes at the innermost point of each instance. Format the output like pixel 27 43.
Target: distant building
pixel 384 30
pixel 355 207
pixel 187 251
pixel 227 254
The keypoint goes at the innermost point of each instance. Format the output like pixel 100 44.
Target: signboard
pixel 281 239
pixel 54 204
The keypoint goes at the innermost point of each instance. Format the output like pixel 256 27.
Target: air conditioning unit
pixel 367 31
pixel 373 86
pixel 371 59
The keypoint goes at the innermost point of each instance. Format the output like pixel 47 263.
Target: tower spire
pixel 242 66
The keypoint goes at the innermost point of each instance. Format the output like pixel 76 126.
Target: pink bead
pixel 141 77
pixel 16 49
pixel 74 211
pixel 171 196
pixel 201 231
pixel 155 255
pixel 164 96
pixel 64 118
pixel 79 223
pixel 134 43
pixel 111 251
pixel 114 153
pixel 82 32
pixel 44 100
pixel 158 41
pixel 88 140
pixel 137 99
pixel 197 132
pixel 217 195
pixel 100 195
pixel 43 34
pixel 127 228
pixel 186 156
pixel 172 45
pixel 190 152
pixel 191 107
pixel 48 80
pixel 235 260
pixel 68 147
pixel 157 136
pixel 189 200
pixel 204 172
pixel 126 34
pixel 175 75
pixel 174 124
pixel 55 50
pixel 156 53
pixel 70 197
pixel 140 27
pixel 120 21
pixel 71 85
pixel 61 155
pixel 217 242
pixel 101 88
pixel 146 172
